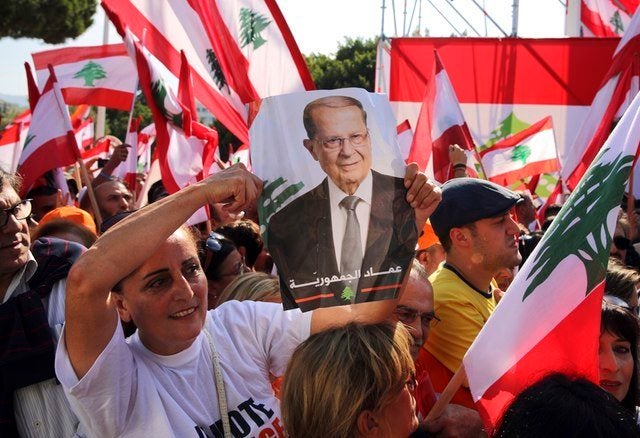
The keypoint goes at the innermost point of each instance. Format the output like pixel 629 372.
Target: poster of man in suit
pixel 334 214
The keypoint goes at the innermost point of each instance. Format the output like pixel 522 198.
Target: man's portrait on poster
pixel 351 238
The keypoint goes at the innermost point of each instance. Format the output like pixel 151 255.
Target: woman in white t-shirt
pixel 185 369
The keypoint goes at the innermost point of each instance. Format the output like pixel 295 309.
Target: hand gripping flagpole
pixel 74 144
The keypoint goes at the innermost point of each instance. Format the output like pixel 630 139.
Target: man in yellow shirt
pixel 479 236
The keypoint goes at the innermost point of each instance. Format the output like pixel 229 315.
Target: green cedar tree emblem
pixel 581 226
pixel 159 92
pixel 347 294
pixel 269 203
pixel 216 70
pixel 28 140
pixel 509 126
pixel 521 153
pixel 251 24
pixel 90 73
pixel 616 22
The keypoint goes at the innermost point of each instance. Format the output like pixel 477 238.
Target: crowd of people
pixel 130 323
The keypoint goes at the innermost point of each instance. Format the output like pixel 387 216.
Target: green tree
pixel 90 72
pixel 50 20
pixel 353 65
pixel 251 24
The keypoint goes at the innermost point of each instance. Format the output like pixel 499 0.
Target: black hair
pixel 244 233
pixel 565 407
pixel 621 322
pixel 212 260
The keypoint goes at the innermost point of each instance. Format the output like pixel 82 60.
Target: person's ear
pixel 367 424
pixel 121 307
pixel 308 144
pixel 460 237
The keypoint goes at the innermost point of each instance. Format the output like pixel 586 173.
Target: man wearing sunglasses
pixel 336 244
pixel 32 403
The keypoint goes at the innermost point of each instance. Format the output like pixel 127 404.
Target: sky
pixel 319 26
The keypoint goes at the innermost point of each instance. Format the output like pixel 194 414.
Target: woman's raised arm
pixel 91 317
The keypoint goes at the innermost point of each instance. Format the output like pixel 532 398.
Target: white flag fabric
pixel 50 142
pixel 95 75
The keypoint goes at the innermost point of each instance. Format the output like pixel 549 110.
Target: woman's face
pixel 166 297
pixel 398 417
pixel 230 268
pixel 616 364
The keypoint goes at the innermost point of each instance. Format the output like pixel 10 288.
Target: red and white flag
pixel 606 18
pixel 254 47
pixel 440 124
pixel 99 150
pixel 146 138
pixel 11 147
pixel 505 84
pixel 50 141
pixel 173 26
pixel 83 130
pixel 184 147
pixel 95 75
pixel 128 169
pixel 549 318
pixel 619 86
pixel 530 152
pixel 405 138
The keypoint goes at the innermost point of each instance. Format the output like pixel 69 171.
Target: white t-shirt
pixel 131 391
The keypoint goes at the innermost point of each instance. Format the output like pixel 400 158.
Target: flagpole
pixel 445 398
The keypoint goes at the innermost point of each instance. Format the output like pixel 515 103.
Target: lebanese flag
pixel 84 133
pixel 171 27
pixel 606 18
pixel 619 85
pixel 440 124
pixel 530 152
pixel 146 138
pixel 405 138
pixel 10 147
pixel 50 142
pixel 505 84
pixel 94 75
pixel 252 43
pixel 128 169
pixel 99 150
pixel 549 318
pixel 184 147
pixel 555 197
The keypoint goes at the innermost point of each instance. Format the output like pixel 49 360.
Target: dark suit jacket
pixel 300 240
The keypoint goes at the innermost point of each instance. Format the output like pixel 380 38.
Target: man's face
pixel 14 236
pixel 417 299
pixel 494 243
pixel 113 197
pixel 337 129
pixel 43 204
